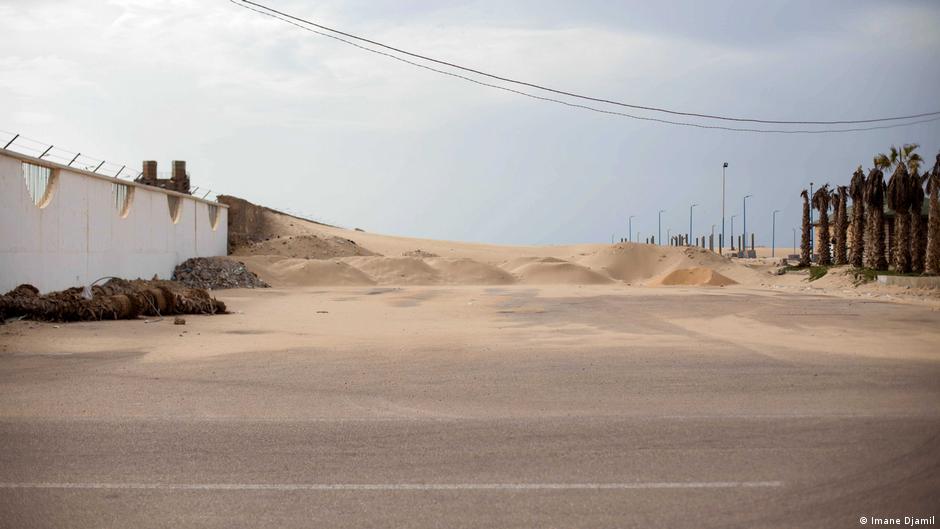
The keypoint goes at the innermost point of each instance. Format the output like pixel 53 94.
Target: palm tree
pixel 899 199
pixel 821 200
pixel 932 265
pixel 918 226
pixel 874 204
pixel 857 190
pixel 905 163
pixel 804 239
pixel 842 225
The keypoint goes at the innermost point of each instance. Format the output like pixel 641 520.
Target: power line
pixel 586 107
pixel 572 94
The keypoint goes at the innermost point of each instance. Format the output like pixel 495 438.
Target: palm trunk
pixel 804 239
pixel 891 242
pixel 932 266
pixel 825 253
pixel 841 256
pixel 858 233
pixel 918 241
pixel 902 238
pixel 877 259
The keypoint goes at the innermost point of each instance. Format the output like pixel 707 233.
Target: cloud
pixel 365 140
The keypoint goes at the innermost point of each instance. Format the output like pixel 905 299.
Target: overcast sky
pixel 285 118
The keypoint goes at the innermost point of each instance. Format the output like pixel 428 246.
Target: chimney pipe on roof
pixel 150 172
pixel 180 178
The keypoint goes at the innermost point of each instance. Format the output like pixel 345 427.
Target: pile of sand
pixel 296 252
pixel 554 271
pixel 304 247
pixel 693 277
pixel 418 253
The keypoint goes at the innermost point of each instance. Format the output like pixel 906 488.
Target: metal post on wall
pixel 11 141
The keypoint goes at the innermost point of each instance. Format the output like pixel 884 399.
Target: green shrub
pixel 815 272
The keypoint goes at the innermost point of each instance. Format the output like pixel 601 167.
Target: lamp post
pixel 794 240
pixel 744 234
pixel 723 167
pixel 690 220
pixel 713 235
pixel 811 238
pixel 773 233
pixel 732 231
pixel 630 229
pixel 659 230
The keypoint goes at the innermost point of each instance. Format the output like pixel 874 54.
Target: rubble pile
pixel 118 299
pixel 216 273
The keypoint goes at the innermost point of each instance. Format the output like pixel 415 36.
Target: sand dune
pixel 288 271
pixel 692 277
pixel 558 273
pixel 297 253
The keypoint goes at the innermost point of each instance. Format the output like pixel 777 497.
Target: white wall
pixel 79 236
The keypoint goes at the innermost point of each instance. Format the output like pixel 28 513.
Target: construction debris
pixel 117 299
pixel 216 273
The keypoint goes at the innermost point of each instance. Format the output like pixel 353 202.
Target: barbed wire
pixel 12 141
pixel 42 150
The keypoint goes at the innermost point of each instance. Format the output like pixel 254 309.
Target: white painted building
pixel 62 227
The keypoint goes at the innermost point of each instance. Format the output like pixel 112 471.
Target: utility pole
pixel 630 229
pixel 732 231
pixel 744 236
pixel 723 167
pixel 659 232
pixel 690 219
pixel 773 233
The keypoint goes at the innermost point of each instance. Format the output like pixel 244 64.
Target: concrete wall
pixel 80 236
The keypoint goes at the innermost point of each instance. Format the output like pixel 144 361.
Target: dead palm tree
pixel 932 265
pixel 918 226
pixel 821 199
pixel 899 199
pixel 804 239
pixel 842 225
pixel 874 204
pixel 857 191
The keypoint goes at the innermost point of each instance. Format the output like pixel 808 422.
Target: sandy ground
pixel 396 382
pixel 477 406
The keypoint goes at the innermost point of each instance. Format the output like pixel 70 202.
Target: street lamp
pixel 732 231
pixel 794 240
pixel 744 235
pixel 722 243
pixel 811 238
pixel 659 230
pixel 630 229
pixel 713 236
pixel 690 220
pixel 773 233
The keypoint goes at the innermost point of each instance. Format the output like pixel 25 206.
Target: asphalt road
pixel 702 433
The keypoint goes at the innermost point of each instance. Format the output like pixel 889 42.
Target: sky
pixel 289 119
